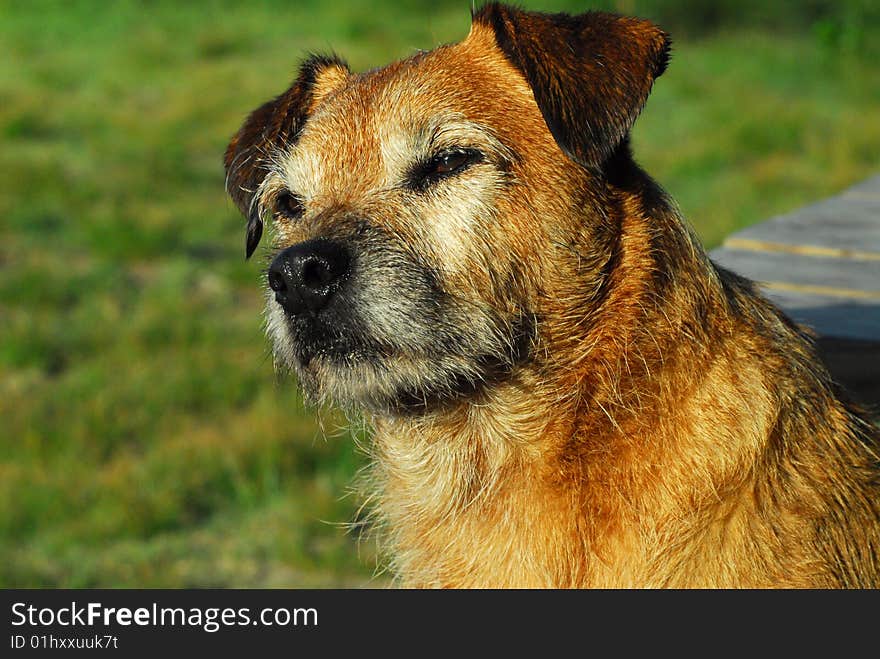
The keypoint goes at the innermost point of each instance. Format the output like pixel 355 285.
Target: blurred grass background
pixel 144 439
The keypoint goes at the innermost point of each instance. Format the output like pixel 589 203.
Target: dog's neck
pixel 457 486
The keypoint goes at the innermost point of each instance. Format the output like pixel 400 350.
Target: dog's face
pixel 417 209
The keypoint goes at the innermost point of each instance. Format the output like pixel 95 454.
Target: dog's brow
pixel 446 133
pixel 300 168
pixel 459 132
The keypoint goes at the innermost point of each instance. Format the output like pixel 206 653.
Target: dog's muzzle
pixel 306 276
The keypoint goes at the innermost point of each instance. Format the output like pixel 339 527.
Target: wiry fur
pixel 564 390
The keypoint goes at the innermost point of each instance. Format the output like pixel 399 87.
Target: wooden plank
pixel 830 277
pixel 847 226
pixel 804 250
pixel 821 266
pixel 836 318
pixel 867 189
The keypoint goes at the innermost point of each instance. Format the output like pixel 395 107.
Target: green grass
pixel 144 438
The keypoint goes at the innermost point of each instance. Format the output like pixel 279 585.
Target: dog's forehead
pixel 375 118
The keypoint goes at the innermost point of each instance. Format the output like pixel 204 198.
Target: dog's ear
pixel 590 74
pixel 271 126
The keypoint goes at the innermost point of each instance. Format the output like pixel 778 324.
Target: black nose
pixel 306 276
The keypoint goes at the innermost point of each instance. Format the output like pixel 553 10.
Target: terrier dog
pixel 564 390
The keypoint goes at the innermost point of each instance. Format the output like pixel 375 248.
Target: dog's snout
pixel 305 277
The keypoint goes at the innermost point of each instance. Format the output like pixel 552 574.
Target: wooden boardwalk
pixel 821 265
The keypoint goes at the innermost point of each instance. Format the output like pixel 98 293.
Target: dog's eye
pixel 289 206
pixel 445 163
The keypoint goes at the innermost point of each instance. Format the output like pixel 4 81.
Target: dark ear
pixel 268 128
pixel 590 74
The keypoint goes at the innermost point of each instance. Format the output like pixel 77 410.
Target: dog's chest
pixel 460 514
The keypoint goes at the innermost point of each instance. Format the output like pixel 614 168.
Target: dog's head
pixel 419 210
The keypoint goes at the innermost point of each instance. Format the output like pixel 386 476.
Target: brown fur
pixel 664 425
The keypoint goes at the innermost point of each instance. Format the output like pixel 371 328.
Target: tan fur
pixel 669 427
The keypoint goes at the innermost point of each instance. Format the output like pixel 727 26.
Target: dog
pixel 563 390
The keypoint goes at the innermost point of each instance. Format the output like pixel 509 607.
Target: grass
pixel 145 440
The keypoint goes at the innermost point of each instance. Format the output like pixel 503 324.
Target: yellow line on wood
pixel 805 250
pixel 829 291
